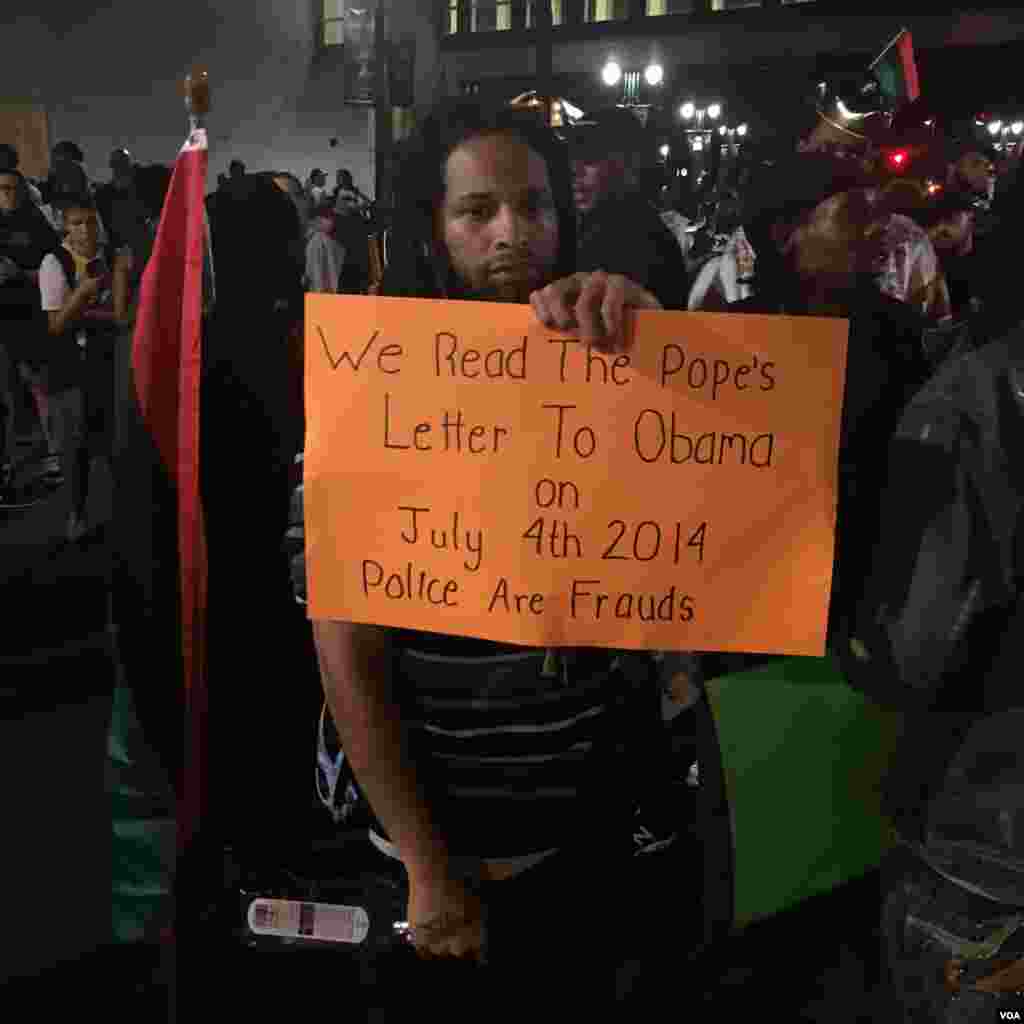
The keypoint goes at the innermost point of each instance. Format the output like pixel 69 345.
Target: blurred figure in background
pixel 620 230
pixel 316 187
pixel 325 256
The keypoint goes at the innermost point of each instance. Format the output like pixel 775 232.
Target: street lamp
pixel 742 130
pixel 1017 127
pixel 654 74
pixel 612 73
pixel 995 127
pixel 664 150
pixel 686 111
pixel 722 130
pixel 715 111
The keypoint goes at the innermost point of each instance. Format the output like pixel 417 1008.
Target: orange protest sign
pixel 469 471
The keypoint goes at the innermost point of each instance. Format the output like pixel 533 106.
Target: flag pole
pixel 192 540
pixel 899 35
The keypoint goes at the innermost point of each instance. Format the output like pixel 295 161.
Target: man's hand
pixel 446 919
pixel 90 286
pixel 123 261
pixel 592 304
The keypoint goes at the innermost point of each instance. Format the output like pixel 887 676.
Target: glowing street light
pixel 654 74
pixel 995 127
pixel 715 111
pixel 1017 127
pixel 722 130
pixel 664 150
pixel 742 130
pixel 687 110
pixel 698 145
pixel 612 73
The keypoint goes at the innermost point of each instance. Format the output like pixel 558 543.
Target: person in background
pixel 353 234
pixel 290 185
pixel 247 388
pixel 818 234
pixel 10 160
pixel 67 175
pixel 325 256
pixel 970 169
pixel 25 238
pixel 620 231
pixel 316 187
pixel 499 868
pixel 950 226
pixel 130 221
pixel 345 187
pixel 85 292
pixel 907 269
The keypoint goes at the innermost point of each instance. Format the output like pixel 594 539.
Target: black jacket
pixel 940 631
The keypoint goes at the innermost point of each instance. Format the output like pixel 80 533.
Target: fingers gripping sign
pixel 592 304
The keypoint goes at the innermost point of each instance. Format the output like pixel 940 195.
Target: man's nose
pixel 510 225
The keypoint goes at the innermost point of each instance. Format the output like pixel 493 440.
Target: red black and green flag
pixel 896 71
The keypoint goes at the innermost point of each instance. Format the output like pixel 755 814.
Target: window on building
pixel 490 15
pixel 606 10
pixel 334 23
pixel 733 5
pixel 556 12
pixel 657 7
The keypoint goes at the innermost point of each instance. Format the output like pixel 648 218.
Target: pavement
pixel 44 523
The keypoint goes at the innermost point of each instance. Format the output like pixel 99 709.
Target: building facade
pixel 754 58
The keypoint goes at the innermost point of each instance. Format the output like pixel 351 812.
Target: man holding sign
pixel 694 508
pixel 515 763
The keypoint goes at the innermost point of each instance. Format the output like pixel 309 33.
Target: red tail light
pixel 898 159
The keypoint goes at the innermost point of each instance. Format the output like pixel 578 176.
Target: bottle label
pixel 323 922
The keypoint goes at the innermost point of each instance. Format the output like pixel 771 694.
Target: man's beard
pixel 511 291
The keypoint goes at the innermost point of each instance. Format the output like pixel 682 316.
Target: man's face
pixel 9 193
pixel 975 170
pixel 498 220
pixel 592 178
pixel 82 230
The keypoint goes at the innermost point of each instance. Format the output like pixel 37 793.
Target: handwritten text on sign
pixel 469 471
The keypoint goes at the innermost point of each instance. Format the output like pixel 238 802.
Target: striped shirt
pixel 520 750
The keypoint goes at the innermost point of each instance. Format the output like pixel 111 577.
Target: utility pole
pixel 543 57
pixel 382 117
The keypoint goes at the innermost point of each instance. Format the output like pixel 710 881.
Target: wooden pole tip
pixel 196 89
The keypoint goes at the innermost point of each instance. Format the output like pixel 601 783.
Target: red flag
pixel 895 70
pixel 166 359
pixel 906 45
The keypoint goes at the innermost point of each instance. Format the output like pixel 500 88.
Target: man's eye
pixel 478 212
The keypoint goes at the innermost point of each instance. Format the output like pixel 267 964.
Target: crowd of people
pixel 441 738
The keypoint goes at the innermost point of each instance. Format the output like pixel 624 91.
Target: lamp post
pixel 698 137
pixel 613 75
pixel 1006 135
